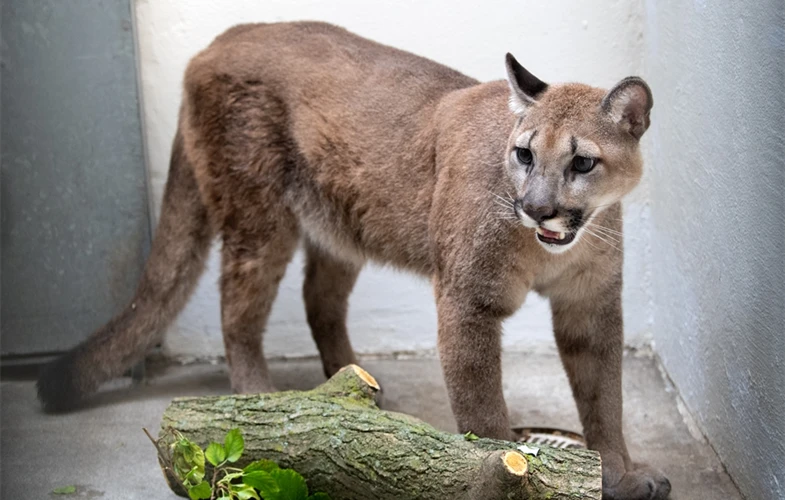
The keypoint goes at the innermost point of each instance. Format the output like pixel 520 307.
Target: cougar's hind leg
pixel 253 263
pixel 328 283
pixel 244 155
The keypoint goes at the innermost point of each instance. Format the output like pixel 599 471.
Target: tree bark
pixel 344 445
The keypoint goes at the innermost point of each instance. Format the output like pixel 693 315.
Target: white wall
pixel 718 242
pixel 595 42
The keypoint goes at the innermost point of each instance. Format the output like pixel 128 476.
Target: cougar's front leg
pixel 589 334
pixel 470 352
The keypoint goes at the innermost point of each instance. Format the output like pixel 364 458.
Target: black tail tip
pixel 57 388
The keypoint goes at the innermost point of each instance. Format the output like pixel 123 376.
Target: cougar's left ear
pixel 525 88
pixel 629 104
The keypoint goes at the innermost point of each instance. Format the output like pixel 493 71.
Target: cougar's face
pixel 568 161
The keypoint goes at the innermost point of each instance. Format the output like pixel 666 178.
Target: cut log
pixel 344 445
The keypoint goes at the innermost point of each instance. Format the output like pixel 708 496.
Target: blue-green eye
pixel 582 164
pixel 524 156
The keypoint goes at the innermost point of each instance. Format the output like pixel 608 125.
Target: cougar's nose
pixel 539 213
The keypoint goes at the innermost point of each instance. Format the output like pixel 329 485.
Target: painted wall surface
pixel 718 223
pixel 597 42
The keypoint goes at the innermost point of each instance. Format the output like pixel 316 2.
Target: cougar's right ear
pixel 525 88
pixel 629 104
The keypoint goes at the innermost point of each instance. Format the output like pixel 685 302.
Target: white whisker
pixel 609 232
pixel 602 206
pixel 588 242
pixel 592 220
pixel 506 202
pixel 504 207
pixel 606 231
pixel 589 231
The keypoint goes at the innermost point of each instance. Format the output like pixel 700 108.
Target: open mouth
pixel 554 238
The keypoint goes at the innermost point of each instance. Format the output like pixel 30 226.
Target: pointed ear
pixel 525 88
pixel 628 104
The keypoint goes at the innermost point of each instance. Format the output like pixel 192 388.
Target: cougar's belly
pixel 357 214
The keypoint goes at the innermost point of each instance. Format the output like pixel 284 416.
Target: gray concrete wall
pixel 717 69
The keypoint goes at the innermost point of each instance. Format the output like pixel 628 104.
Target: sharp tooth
pixel 561 236
pixel 539 230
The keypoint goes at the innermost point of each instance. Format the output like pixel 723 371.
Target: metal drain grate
pixel 555 438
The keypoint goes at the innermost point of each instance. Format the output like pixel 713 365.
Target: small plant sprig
pixel 260 480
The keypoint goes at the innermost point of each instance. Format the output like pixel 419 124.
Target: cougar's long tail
pixel 176 261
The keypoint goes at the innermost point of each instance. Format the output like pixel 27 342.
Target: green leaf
pixel 185 456
pixel 215 454
pixel 244 492
pixel 470 436
pixel 228 478
pixel 319 496
pixel 262 481
pixel 65 490
pixel 200 491
pixel 265 465
pixel 291 485
pixel 234 445
pixel 195 476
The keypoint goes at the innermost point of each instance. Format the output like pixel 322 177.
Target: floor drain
pixel 545 436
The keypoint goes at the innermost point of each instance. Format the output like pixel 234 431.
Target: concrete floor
pixel 103 452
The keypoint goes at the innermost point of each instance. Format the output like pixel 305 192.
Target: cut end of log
pixel 364 376
pixel 515 463
pixel 352 382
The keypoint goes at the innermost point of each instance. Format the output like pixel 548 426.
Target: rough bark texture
pixel 344 445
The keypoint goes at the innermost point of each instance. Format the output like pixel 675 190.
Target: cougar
pixel 305 132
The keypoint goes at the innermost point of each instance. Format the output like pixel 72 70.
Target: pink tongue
pixel 549 234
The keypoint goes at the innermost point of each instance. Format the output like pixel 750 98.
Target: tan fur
pixel 306 131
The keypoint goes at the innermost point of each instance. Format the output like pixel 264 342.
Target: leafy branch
pixel 184 461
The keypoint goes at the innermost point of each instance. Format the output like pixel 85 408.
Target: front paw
pixel 640 483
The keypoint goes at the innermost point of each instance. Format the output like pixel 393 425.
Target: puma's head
pixel 573 152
